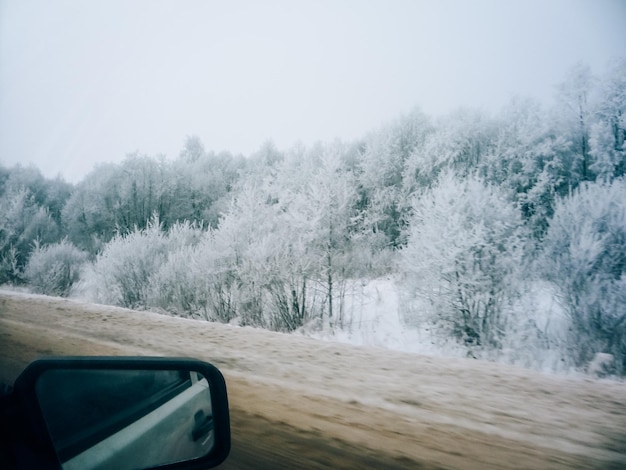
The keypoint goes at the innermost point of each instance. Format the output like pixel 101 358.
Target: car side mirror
pixel 125 413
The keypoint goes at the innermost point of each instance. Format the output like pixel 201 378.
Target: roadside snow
pixel 372 317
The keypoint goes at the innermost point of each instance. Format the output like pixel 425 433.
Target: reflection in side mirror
pixel 126 418
pixel 129 413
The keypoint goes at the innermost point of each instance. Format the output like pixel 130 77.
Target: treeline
pixel 474 214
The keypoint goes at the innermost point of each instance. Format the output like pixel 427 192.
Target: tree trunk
pixel 330 288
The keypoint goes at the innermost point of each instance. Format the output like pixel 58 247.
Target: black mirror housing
pixel 46 399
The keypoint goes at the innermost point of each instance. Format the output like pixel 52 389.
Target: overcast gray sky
pixel 90 81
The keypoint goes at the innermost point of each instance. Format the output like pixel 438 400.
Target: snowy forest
pixel 477 219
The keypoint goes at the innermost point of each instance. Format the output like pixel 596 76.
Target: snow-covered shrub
pixel 54 269
pixel 585 257
pixel 197 280
pixel 262 266
pixel 121 273
pixel 601 365
pixel 464 246
pixel 183 234
pixel 173 286
pixel 217 280
pixel 537 328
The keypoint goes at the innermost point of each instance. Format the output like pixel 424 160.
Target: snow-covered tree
pixel 459 141
pixel 464 248
pixel 89 216
pixel 526 159
pixel 609 161
pixel 201 183
pixel 254 266
pixel 193 149
pixel 183 283
pixel 584 257
pixel 380 172
pixel 22 222
pixel 609 131
pixel 324 213
pixel 116 198
pixel 249 231
pixel 574 114
pixel 50 194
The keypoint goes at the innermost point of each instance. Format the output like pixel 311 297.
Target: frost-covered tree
pixel 574 114
pixel 380 171
pixel 464 248
pixel 50 194
pixel 459 141
pixel 268 155
pixel 30 208
pixel 584 257
pixel 247 228
pixel 608 161
pixel 183 283
pixel 117 198
pixel 269 257
pixel 201 183
pixel 609 131
pixel 324 212
pixel 526 159
pixel 249 270
pixel 22 222
pixel 54 269
pixel 89 216
pixel 197 280
pixel 143 186
pixel 193 149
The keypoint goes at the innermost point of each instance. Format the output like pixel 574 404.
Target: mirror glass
pixel 126 419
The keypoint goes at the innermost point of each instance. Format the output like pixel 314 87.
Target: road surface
pixel 302 403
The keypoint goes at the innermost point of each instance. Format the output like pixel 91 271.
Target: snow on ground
pixel 373 317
